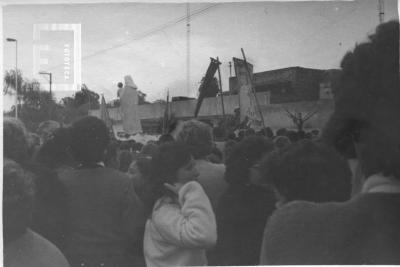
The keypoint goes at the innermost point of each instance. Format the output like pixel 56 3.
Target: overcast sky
pixel 273 35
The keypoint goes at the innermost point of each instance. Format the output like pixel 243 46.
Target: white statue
pixel 129 107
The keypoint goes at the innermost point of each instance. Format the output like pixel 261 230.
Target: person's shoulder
pixel 115 173
pixel 212 167
pixel 304 216
pixel 41 251
pixel 303 209
pixel 38 169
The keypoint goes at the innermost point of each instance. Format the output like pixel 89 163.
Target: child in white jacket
pixel 182 223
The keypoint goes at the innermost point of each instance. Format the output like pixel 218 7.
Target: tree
pixel 9 81
pixel 35 105
pixel 86 96
pixel 78 105
pixel 298 118
pixel 212 89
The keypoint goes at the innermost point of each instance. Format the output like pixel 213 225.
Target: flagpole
pixel 252 88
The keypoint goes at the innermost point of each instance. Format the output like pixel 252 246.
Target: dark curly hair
pixel 15 142
pixel 309 171
pixel 18 194
pixel 165 163
pixel 243 156
pixel 197 136
pixel 89 140
pixel 53 152
pixel 367 102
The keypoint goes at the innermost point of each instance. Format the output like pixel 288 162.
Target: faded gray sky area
pixel 273 35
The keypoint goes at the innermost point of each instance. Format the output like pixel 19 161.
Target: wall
pixel 274 114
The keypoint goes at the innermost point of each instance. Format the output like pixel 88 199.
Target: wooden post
pixel 220 89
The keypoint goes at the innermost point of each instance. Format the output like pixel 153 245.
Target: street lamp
pixel 50 78
pixel 16 74
pixel 50 81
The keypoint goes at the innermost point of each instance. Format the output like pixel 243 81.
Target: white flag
pixel 247 101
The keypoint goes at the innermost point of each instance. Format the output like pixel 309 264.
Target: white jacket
pixel 178 234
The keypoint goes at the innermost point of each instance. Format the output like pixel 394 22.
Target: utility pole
pixel 230 69
pixel 187 49
pixel 381 6
pixel 220 89
pixel 50 82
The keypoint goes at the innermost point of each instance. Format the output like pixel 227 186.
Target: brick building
pixel 286 85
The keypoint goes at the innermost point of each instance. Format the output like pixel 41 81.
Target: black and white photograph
pixel 149 133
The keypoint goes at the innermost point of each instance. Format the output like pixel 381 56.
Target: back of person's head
pixel 293 136
pixel 145 158
pixel 54 152
pixel 111 156
pixel 243 156
pixel 281 132
pixel 165 138
pixel 250 132
pixel 131 143
pixel 125 145
pixel 33 143
pixel 120 85
pixel 308 135
pixel 197 137
pixel 367 102
pixel 149 149
pixel 89 140
pixel 18 193
pixel 46 129
pixel 137 146
pixel 229 145
pixel 231 136
pixel 15 143
pixel 215 156
pixel 125 159
pixel 268 132
pixel 241 135
pixel 281 141
pixel 308 171
pixel 165 163
pixel 168 159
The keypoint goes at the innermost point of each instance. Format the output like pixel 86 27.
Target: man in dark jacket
pixel 105 215
pixel 366 229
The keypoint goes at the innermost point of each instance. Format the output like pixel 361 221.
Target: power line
pixel 147 33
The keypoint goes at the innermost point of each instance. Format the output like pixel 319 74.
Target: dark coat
pixel 50 203
pixel 241 216
pixel 105 217
pixel 364 230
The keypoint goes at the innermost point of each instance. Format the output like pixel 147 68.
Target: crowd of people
pixel 72 196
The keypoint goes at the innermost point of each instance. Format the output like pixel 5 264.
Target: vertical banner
pixel 247 101
pixel 104 115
